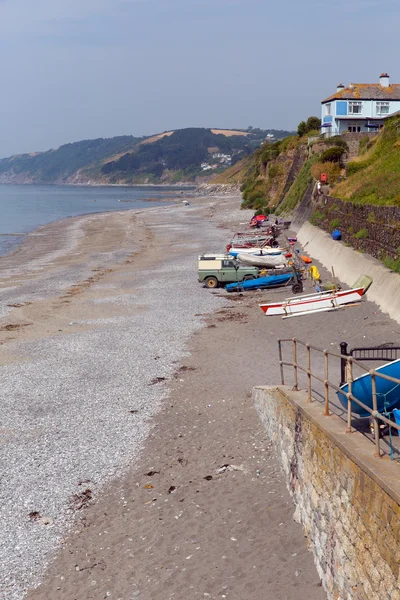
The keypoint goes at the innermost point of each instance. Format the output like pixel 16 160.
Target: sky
pixel 81 69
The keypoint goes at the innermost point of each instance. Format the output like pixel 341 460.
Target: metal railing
pixel 328 385
pixel 384 353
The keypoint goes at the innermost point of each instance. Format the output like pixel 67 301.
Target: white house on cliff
pixel 360 107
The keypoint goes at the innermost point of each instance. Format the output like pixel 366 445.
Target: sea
pixel 23 208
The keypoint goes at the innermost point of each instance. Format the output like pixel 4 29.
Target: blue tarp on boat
pixel 256 253
pixel 260 282
pixel 387 392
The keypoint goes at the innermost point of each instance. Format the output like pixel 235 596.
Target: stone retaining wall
pixel 346 500
pixel 378 226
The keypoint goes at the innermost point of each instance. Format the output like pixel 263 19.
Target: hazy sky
pixel 76 69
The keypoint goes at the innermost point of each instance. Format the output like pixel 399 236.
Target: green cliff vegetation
pixel 374 176
pixel 277 175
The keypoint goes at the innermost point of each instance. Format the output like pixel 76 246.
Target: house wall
pixel 341 119
pixel 346 500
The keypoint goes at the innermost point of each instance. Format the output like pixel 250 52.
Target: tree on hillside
pixel 311 124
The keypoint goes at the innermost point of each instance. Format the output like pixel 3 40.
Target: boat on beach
pixel 387 392
pixel 261 251
pixel 261 282
pixel 271 261
pixel 321 301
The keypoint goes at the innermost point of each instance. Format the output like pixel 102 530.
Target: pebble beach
pixel 133 463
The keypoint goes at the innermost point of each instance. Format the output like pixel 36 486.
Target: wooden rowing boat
pixel 313 302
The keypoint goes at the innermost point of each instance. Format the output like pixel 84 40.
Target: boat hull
pixel 260 282
pixel 387 392
pixel 235 250
pixel 313 302
pixel 269 261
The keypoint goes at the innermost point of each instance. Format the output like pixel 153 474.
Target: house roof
pixel 366 91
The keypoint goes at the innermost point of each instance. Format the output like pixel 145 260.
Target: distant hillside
pixel 59 166
pixel 173 156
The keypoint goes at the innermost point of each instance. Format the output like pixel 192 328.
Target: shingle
pixel 367 91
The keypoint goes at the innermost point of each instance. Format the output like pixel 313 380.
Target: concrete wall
pixel 350 264
pixel 346 500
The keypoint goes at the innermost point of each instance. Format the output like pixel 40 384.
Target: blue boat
pixel 387 392
pixel 260 283
pixel 256 253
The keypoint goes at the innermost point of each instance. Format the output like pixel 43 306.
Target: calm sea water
pixel 26 207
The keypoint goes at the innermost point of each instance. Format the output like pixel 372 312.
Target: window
pixel 327 109
pixel 382 108
pixel 355 108
pixel 227 263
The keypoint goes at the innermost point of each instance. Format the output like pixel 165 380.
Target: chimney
pixel 340 87
pixel 384 80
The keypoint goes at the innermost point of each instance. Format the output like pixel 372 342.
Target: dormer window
pixel 382 108
pixel 355 108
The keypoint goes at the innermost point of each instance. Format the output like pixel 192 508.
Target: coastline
pixel 119 364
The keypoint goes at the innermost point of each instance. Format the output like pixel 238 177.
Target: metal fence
pixel 328 385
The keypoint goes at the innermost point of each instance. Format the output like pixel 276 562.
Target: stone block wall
pixel 351 521
pixel 379 224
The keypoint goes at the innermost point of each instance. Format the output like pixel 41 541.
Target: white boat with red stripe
pixel 322 301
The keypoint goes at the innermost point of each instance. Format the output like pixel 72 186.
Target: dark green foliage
pixel 392 263
pixel 356 166
pixel 362 234
pixel 316 218
pixel 333 154
pixel 181 152
pixel 334 224
pixel 184 150
pixel 312 124
pixel 270 151
pixel 58 165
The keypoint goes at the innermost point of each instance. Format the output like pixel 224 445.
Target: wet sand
pixel 193 504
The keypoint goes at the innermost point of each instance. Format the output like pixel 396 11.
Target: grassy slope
pixel 235 174
pixel 258 192
pixel 374 177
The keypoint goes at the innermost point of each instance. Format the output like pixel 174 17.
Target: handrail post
pixel 375 407
pixel 326 383
pixel 309 372
pixel 296 381
pixel 281 361
pixel 349 376
pixel 344 351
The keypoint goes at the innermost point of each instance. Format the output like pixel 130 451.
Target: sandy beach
pixel 134 465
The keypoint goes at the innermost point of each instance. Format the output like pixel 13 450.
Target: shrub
pixel 333 154
pixel 362 234
pixel 332 170
pixel 392 263
pixel 306 127
pixel 274 171
pixel 334 223
pixel 354 167
pixel 316 218
pixel 270 152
